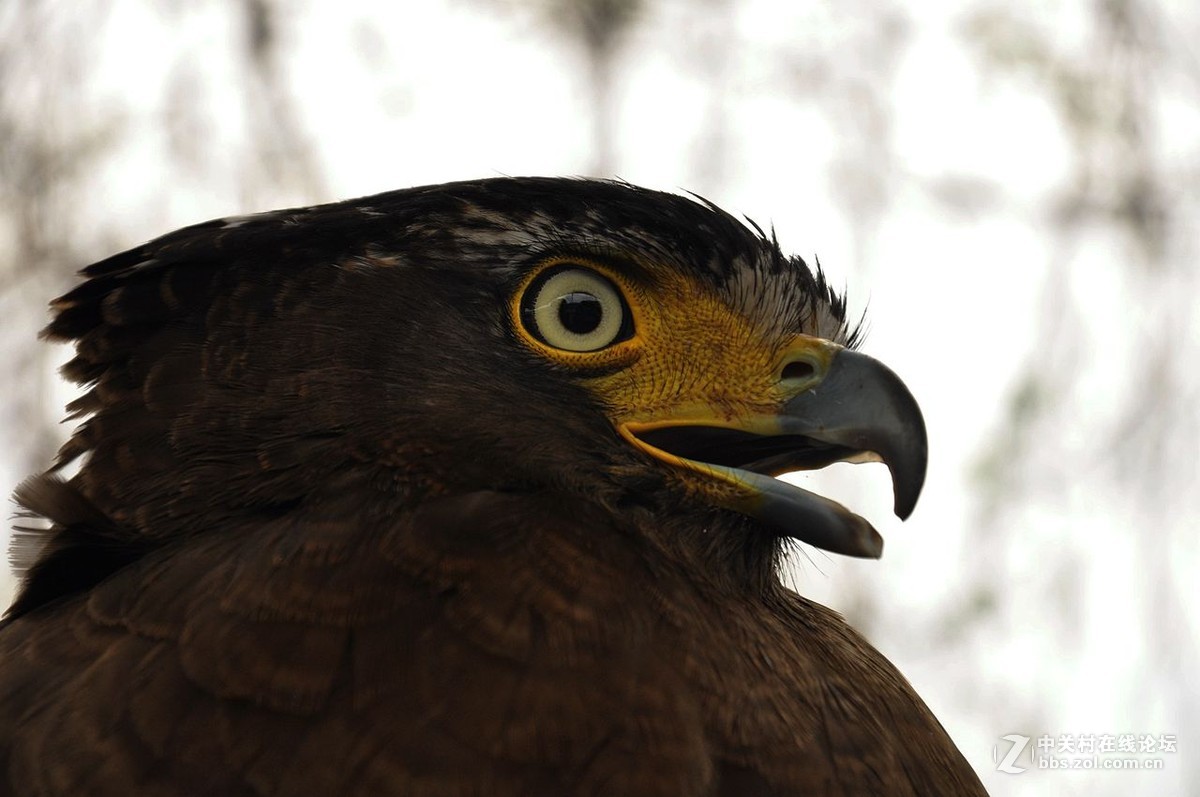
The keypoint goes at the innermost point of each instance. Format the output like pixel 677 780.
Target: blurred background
pixel 1012 188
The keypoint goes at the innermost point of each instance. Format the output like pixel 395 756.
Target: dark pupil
pixel 580 312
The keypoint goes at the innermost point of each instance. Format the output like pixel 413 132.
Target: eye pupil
pixel 580 313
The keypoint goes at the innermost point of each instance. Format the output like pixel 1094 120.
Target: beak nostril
pixel 798 369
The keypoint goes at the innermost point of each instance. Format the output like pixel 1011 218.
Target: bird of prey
pixel 459 490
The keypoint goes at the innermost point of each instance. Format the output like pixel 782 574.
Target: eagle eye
pixel 575 309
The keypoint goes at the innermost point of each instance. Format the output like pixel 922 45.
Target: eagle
pixel 459 490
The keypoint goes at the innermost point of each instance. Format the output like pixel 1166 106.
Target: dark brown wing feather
pixel 456 653
pixel 481 645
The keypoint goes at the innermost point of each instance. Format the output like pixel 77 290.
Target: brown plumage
pixel 358 515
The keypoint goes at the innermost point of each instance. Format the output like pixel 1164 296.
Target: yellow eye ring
pixel 573 308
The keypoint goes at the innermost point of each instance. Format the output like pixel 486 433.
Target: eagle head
pixel 617 347
pixel 646 349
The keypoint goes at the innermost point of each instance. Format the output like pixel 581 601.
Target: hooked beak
pixel 852 408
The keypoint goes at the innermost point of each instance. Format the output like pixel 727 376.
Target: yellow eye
pixel 575 309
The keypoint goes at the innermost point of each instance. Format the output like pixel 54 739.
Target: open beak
pixel 855 409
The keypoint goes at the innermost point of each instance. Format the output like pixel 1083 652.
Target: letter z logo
pixel 1006 765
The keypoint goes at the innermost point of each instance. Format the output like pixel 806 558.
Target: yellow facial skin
pixel 694 361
